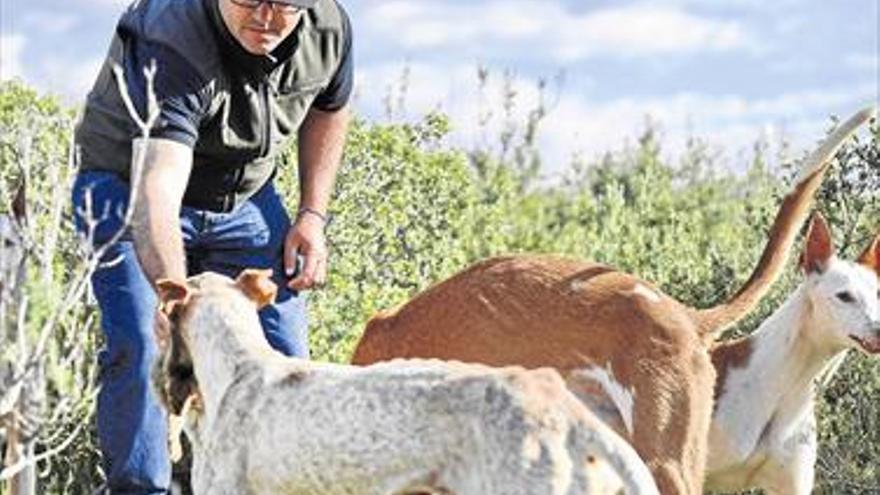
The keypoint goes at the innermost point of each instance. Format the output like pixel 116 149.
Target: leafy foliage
pixel 48 334
pixel 410 209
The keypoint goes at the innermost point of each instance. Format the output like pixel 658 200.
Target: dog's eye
pixel 846 297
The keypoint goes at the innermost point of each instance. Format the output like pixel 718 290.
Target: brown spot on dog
pixel 727 356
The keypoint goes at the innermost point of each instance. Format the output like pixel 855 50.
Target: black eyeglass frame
pixel 277 6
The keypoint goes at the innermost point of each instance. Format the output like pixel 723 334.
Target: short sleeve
pixel 338 91
pixel 181 91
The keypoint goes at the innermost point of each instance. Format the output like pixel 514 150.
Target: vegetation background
pixel 411 209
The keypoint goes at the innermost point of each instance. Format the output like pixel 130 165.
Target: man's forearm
pixel 321 141
pixel 156 220
pixel 158 243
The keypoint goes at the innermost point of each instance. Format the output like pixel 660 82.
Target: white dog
pixel 764 430
pixel 265 423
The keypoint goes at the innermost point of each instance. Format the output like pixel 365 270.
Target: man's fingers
pixel 306 277
pixel 305 256
pixel 292 260
pixel 321 273
pixel 312 275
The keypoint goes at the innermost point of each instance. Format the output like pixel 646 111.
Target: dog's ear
pixel 871 256
pixel 172 294
pixel 257 285
pixel 819 248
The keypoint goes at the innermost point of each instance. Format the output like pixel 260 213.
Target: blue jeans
pixel 131 423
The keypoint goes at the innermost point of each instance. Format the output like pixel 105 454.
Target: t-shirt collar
pixel 243 60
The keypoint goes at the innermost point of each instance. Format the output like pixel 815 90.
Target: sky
pixel 729 72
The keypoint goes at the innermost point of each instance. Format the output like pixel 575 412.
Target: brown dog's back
pixel 531 310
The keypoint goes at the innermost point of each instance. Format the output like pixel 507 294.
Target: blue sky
pixel 729 72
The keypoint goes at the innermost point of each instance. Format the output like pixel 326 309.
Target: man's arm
pixel 157 200
pixel 321 140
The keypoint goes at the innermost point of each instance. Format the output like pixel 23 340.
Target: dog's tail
pixel 793 213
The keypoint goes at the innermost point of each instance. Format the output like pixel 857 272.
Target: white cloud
pixel 11 48
pixel 117 4
pixel 549 28
pixel 69 78
pixel 732 123
pixel 646 30
pixel 863 61
pixel 752 5
pixel 426 24
pixel 590 127
pixel 48 23
pixel 453 89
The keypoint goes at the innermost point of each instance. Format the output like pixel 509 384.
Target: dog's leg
pixel 792 461
pixel 672 415
pixel 176 423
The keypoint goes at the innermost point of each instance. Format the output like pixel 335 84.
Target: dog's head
pixel 174 377
pixel 843 295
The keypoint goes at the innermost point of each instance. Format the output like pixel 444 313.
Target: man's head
pixel 259 26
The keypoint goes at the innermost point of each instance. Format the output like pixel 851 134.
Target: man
pixel 236 79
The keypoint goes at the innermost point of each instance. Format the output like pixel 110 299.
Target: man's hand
pixel 306 238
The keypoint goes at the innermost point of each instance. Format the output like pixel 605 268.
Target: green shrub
pixel 409 210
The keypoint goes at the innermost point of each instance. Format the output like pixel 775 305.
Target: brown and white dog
pixel 596 324
pixel 763 429
pixel 268 424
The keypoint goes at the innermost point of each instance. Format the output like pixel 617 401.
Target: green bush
pixel 409 210
pixel 35 133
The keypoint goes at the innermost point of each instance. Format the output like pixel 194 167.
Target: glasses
pixel 276 6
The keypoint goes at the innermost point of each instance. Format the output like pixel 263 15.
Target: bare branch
pixel 80 282
pixel 10 471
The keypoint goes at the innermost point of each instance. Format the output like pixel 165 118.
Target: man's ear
pixel 871 257
pixel 171 294
pixel 257 285
pixel 819 247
